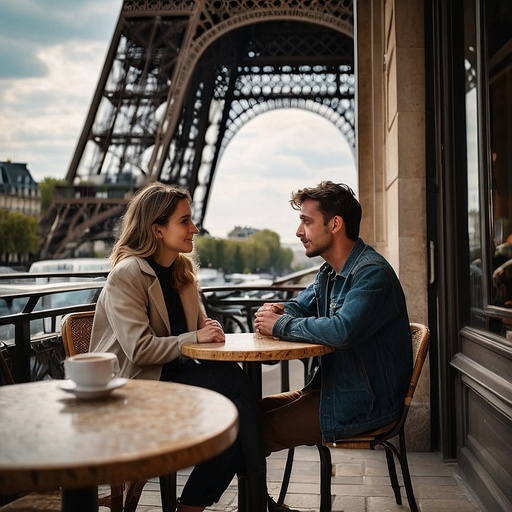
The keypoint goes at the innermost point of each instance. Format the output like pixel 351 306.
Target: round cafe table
pixel 52 439
pixel 253 348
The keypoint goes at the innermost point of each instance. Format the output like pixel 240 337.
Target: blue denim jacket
pixel 365 380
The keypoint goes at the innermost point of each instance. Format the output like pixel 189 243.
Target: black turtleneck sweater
pixel 175 311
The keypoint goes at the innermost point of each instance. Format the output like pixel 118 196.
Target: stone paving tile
pixel 300 488
pixel 348 504
pixel 150 498
pixel 349 469
pixel 362 490
pixel 378 504
pixel 421 480
pixel 439 492
pixel 436 505
pixel 428 470
pixel 351 480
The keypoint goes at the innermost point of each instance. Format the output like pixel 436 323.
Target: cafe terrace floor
pixel 361 484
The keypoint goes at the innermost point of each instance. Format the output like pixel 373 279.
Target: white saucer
pixel 85 393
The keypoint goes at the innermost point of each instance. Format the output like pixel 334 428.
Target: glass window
pixel 501 136
pixel 499 45
pixel 489 304
pixel 477 318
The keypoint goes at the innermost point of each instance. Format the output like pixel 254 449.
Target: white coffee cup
pixel 92 370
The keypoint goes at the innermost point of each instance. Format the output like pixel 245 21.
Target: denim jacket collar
pixel 352 258
pixel 349 265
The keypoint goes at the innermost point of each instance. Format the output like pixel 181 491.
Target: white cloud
pixel 51 54
pixel 45 115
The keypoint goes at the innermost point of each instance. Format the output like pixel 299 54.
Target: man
pixel 357 306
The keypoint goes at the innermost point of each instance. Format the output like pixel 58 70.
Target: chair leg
pixel 392 474
pixel 132 494
pixel 401 455
pixel 406 473
pixel 325 478
pixel 168 492
pixel 286 476
pixel 116 497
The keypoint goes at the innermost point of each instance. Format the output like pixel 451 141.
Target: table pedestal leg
pixel 242 494
pixel 80 500
pixel 168 492
pixel 253 369
pixel 252 492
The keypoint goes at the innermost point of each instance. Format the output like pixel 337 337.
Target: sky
pixel 51 56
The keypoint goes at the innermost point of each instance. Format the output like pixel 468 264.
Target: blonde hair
pixel 153 204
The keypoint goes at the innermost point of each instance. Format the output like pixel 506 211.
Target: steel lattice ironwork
pixel 179 81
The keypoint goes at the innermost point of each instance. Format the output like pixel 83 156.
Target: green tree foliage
pixel 18 233
pixel 261 252
pixel 47 187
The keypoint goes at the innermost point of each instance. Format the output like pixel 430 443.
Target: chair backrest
pixel 420 341
pixel 6 370
pixel 76 332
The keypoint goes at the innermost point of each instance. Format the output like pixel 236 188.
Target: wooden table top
pixel 51 439
pixel 253 347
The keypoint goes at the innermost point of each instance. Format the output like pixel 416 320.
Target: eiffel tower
pixel 180 79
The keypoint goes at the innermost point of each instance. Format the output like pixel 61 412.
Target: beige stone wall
pixel 391 158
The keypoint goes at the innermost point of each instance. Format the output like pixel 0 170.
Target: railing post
pixel 21 370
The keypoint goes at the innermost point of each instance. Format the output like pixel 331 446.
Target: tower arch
pixel 179 80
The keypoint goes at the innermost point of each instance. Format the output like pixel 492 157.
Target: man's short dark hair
pixel 333 199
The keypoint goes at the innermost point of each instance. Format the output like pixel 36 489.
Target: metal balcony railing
pixel 32 305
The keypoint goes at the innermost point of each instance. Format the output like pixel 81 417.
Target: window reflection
pixel 501 135
pixel 499 16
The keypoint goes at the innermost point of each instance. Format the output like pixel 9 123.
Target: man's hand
pixel 266 317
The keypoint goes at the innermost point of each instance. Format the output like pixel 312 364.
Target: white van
pixel 56 292
pixel 69 298
pixel 71 265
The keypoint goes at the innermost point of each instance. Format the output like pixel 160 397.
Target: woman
pixel 149 307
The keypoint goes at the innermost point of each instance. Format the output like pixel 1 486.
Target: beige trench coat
pixel 131 320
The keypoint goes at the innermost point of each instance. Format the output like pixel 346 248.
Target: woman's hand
pixel 211 333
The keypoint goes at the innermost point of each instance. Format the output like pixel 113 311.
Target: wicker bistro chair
pixel 5 370
pixel 76 337
pixel 34 501
pixel 382 436
pixel 76 331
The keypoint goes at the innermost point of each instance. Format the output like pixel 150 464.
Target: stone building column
pixel 390 113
